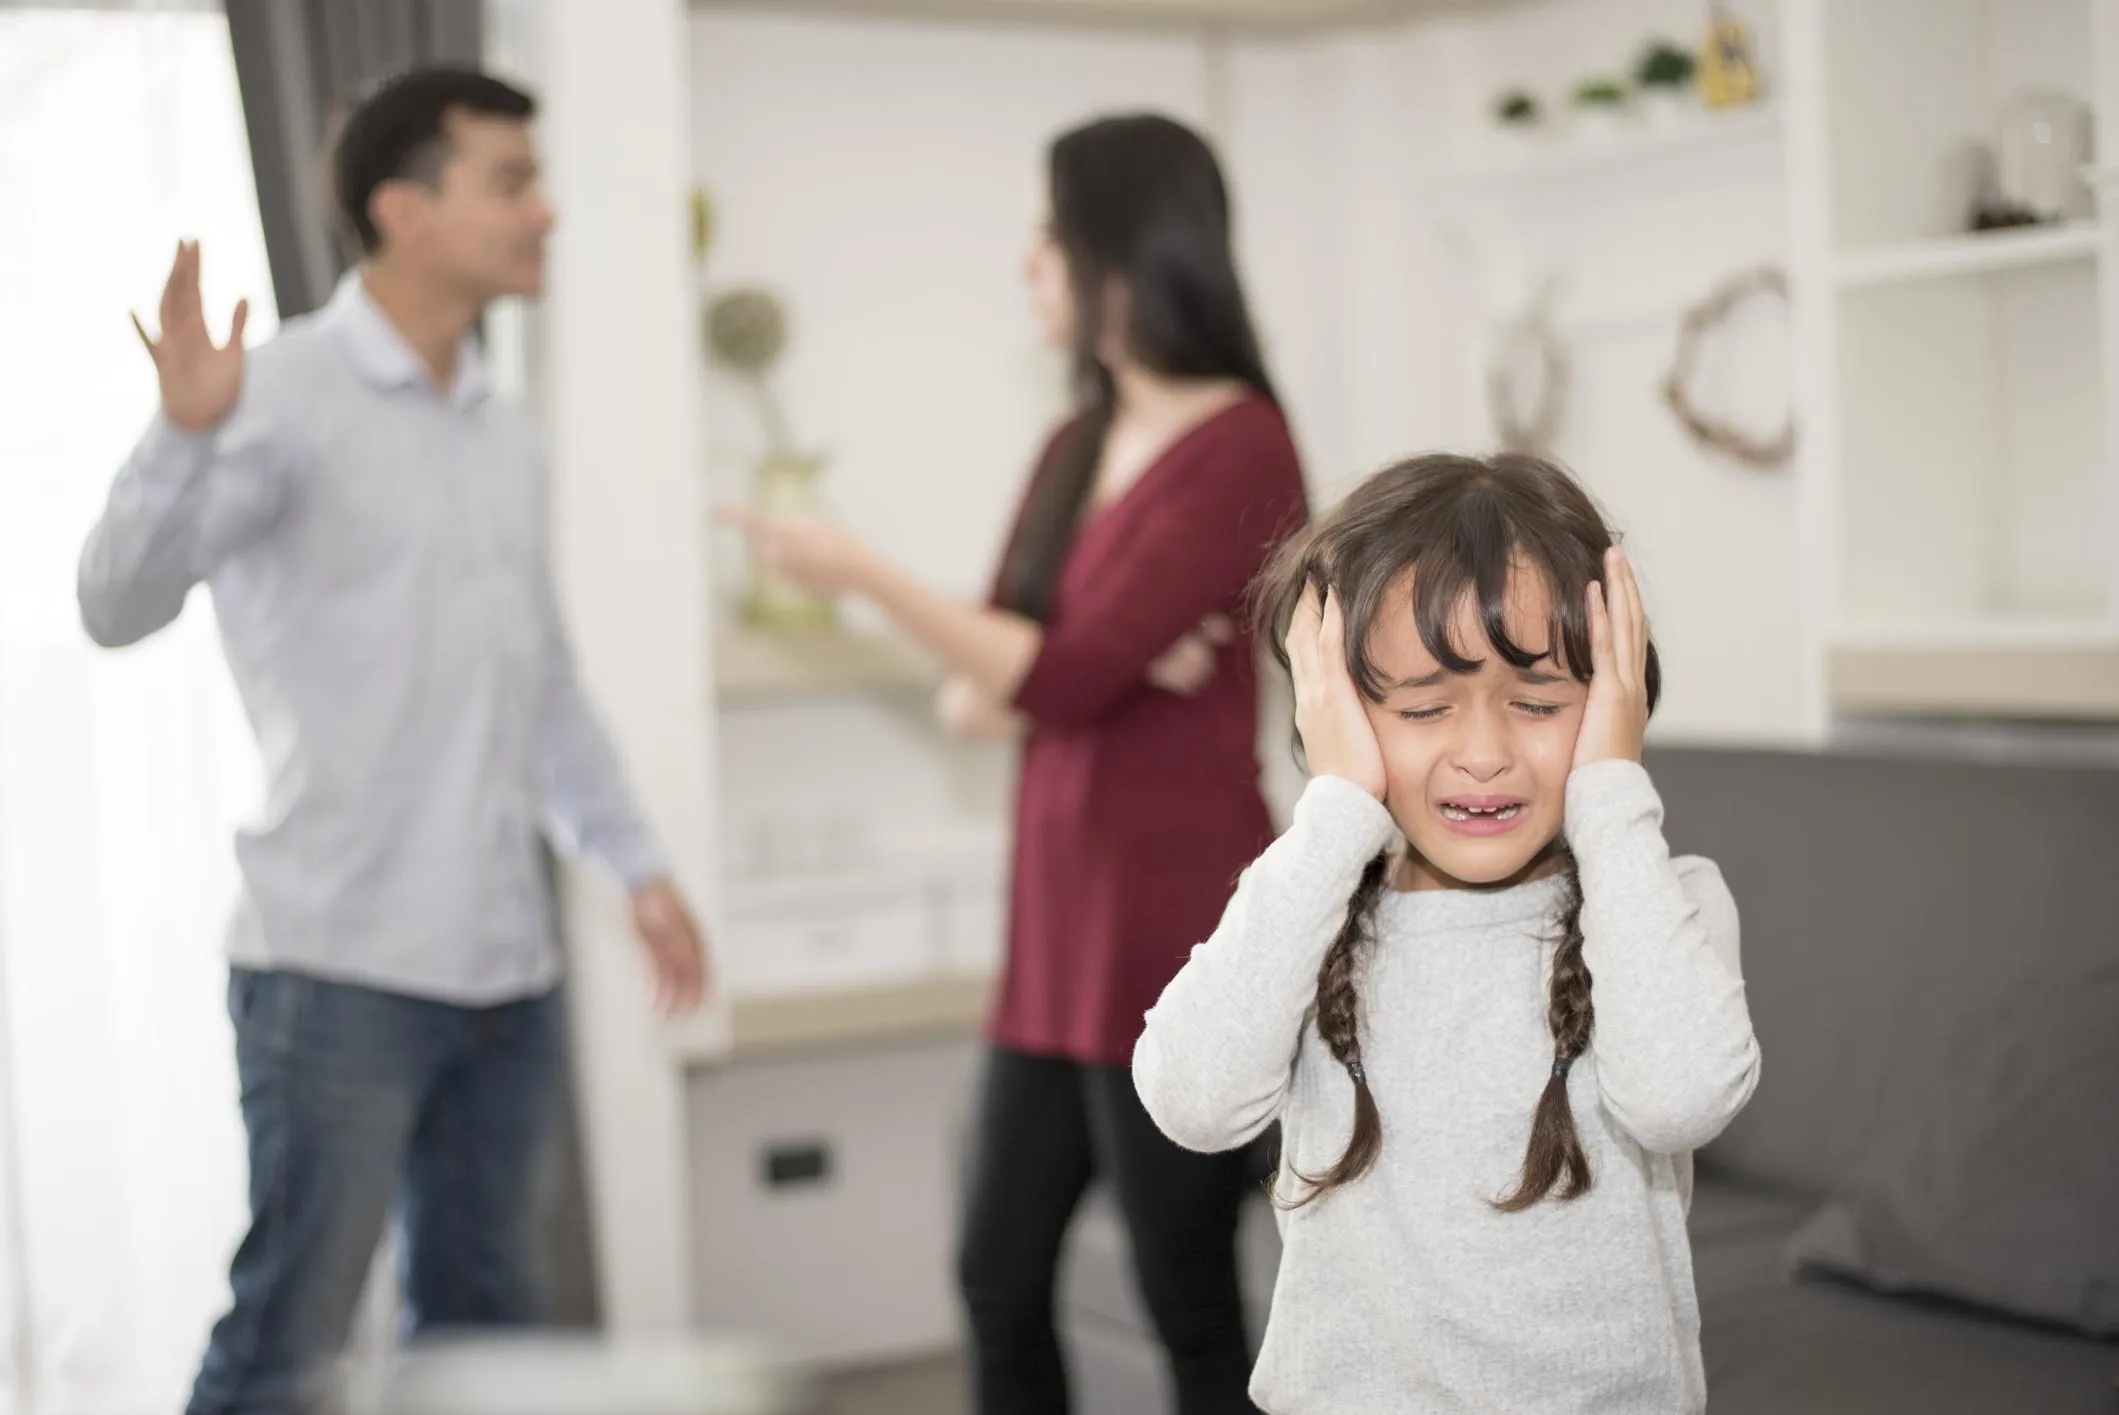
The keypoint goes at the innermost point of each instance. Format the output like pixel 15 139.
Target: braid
pixel 1555 1149
pixel 1338 1021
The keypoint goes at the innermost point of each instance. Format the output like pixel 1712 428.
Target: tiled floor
pixel 934 1387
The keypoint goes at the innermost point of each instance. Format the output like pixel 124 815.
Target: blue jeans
pixel 357 1100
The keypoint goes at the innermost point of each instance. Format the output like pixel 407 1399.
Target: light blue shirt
pixel 377 555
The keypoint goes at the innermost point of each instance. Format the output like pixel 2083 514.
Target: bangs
pixel 1436 533
pixel 1489 577
pixel 1477 552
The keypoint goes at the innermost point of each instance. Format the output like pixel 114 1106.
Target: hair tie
pixel 1353 1069
pixel 1560 1066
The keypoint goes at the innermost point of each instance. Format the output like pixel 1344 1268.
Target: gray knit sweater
pixel 1405 1293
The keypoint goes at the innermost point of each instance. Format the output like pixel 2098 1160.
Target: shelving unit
pixel 1640 153
pixel 1961 384
pixel 1977 253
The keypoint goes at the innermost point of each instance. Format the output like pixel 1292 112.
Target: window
pixel 122 776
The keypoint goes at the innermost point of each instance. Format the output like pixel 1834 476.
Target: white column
pixel 1813 321
pixel 620 394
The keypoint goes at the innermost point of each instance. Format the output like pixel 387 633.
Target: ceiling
pixel 1250 15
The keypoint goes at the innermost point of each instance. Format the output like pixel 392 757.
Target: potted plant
pixel 1600 104
pixel 1520 117
pixel 1663 74
pixel 746 333
pixel 1518 108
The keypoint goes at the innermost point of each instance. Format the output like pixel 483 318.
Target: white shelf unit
pixel 1972 450
pixel 1976 253
pixel 1696 142
pixel 1961 385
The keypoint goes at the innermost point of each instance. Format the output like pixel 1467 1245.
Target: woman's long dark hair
pixel 1139 200
pixel 1463 526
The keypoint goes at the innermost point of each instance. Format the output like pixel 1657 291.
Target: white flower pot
pixel 1667 109
pixel 1519 144
pixel 1600 124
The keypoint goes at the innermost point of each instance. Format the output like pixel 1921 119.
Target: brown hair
pixel 1467 524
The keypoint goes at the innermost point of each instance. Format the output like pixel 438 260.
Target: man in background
pixel 371 524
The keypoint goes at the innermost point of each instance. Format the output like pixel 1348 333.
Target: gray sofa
pixel 1886 899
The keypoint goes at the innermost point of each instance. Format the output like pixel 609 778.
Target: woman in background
pixel 1107 641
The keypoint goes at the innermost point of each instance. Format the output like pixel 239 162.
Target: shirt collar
pixel 381 355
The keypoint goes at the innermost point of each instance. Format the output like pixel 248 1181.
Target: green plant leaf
pixel 1663 65
pixel 1517 106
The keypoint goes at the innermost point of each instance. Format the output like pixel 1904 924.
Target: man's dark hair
pixel 397 132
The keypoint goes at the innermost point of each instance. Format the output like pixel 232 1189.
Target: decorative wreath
pixel 1525 343
pixel 1710 432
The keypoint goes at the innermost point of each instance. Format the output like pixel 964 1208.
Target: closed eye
pixel 1425 714
pixel 1542 709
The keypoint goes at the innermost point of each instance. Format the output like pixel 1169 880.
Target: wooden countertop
pixel 812 1021
pixel 752 667
pixel 2030 680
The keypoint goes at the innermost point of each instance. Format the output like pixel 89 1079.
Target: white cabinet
pixel 1962 385
pixel 824 1192
pixel 926 916
pixel 834 937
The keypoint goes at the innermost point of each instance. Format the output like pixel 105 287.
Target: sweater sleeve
pixel 1197 551
pixel 1676 1058
pixel 1212 1064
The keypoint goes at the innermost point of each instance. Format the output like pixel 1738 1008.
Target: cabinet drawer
pixel 825 1202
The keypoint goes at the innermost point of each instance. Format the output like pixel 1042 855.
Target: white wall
pixel 1326 143
pixel 624 419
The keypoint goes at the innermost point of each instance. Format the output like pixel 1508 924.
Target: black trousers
pixel 1045 1127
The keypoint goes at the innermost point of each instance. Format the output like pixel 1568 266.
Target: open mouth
pixel 1483 815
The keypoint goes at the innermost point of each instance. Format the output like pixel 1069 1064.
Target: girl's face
pixel 1475 764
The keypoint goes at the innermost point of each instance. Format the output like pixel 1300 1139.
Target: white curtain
pixel 121 775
